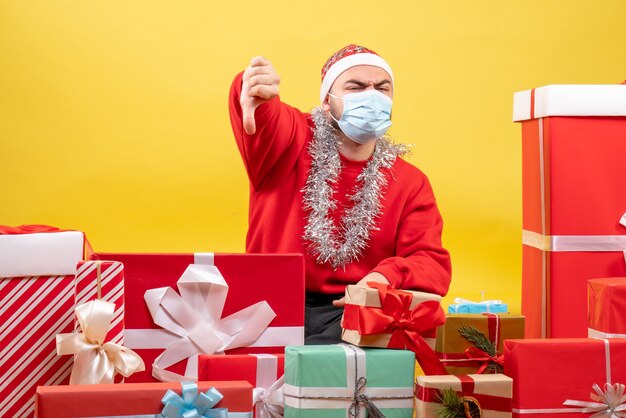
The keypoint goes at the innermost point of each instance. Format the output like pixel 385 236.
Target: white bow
pixel 269 403
pixel 610 403
pixel 196 317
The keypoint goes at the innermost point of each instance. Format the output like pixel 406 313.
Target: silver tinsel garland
pixel 339 246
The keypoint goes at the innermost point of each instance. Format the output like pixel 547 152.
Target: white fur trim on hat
pixel 348 62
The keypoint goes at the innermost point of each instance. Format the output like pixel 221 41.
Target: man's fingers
pixel 339 303
pixel 264 79
pixel 263 91
pixel 259 61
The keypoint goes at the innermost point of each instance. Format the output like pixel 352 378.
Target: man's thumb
pixel 249 124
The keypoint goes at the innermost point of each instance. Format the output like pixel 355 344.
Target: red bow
pixel 404 324
pixel 476 354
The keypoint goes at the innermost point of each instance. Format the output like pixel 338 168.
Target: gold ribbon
pixel 610 403
pixel 94 361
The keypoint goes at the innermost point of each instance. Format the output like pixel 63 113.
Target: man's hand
pixel 371 277
pixel 260 84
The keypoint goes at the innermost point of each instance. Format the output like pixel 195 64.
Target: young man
pixel 331 185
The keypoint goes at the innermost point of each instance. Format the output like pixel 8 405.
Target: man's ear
pixel 326 104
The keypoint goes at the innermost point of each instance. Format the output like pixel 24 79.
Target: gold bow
pixel 95 362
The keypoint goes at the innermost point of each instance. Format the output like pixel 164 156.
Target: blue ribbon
pixel 193 404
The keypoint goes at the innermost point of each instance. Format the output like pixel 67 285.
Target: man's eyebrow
pixel 362 84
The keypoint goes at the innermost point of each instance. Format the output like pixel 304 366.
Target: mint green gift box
pixel 320 381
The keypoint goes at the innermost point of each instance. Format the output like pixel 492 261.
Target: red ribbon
pixel 404 324
pixel 487 402
pixel 476 354
pixel 26 229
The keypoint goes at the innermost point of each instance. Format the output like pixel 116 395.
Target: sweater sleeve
pixel 421 263
pixel 280 128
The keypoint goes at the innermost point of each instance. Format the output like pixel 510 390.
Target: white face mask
pixel 366 115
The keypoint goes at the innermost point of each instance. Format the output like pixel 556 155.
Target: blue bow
pixel 193 404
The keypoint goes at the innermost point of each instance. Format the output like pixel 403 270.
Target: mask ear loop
pixel 331 113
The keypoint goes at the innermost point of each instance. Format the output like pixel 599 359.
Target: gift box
pixel 463 306
pixel 135 399
pixel 461 355
pixel 573 178
pixel 378 316
pixel 32 311
pixel 103 280
pixel 330 380
pixel 607 307
pixel 237 283
pixel 39 250
pixel 549 372
pixel 490 395
pixel 262 371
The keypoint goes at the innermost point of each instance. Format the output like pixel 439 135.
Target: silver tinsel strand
pixel 328 243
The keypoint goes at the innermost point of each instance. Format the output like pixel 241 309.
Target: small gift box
pixel 557 376
pixel 473 343
pixel 39 250
pixel 150 400
pixel 337 380
pixel 379 316
pixel 607 307
pixel 262 371
pixel 464 306
pixel 474 395
pixel 207 303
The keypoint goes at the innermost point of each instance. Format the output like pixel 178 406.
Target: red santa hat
pixel 347 57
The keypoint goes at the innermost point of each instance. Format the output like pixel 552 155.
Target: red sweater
pixel 407 247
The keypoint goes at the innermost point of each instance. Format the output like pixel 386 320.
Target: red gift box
pixel 276 279
pixel 32 311
pixel 573 178
pixel 548 372
pixel 136 399
pixel 260 370
pixel 607 307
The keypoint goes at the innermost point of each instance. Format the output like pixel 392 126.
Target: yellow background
pixel 113 114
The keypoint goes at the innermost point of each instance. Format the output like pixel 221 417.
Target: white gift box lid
pixel 570 100
pixel 41 254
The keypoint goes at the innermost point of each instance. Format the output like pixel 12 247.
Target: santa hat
pixel 347 57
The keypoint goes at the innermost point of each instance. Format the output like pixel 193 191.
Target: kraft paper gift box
pixel 331 380
pixel 491 394
pixel 460 356
pixel 262 371
pixel 607 307
pixel 139 400
pixel 573 177
pixel 213 288
pixel 549 372
pixel 378 316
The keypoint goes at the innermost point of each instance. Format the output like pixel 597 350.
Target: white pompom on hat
pixel 348 57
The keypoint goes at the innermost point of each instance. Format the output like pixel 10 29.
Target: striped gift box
pixel 32 311
pixel 102 280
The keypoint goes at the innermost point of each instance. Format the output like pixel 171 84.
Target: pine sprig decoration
pixel 480 341
pixel 451 404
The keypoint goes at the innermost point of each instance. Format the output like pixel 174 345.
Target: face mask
pixel 366 115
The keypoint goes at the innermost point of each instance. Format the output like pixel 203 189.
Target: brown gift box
pixel 451 345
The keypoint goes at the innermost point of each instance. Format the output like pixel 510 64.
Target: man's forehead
pixel 364 73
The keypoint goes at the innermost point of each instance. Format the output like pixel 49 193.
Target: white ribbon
pixel 195 316
pixel 269 402
pixel 594 333
pixel 610 403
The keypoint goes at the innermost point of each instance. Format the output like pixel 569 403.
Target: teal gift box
pixel 339 381
pixel 463 306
